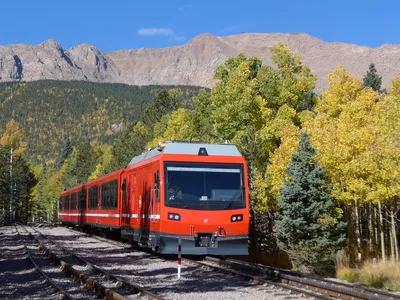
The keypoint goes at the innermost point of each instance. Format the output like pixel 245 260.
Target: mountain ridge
pixel 190 64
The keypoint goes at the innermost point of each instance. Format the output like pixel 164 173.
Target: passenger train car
pixel 197 193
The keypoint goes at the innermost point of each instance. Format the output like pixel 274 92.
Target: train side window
pixel 66 202
pixel 96 198
pixel 93 197
pixel 60 201
pixel 82 199
pixel 114 194
pixel 103 196
pixel 73 201
pixel 109 192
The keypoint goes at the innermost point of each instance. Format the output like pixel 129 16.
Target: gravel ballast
pixel 18 277
pixel 159 275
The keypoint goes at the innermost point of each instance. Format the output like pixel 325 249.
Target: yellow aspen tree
pixel 342 134
pixel 385 159
pixel 295 79
pixel 281 128
pixel 13 137
pixel 179 125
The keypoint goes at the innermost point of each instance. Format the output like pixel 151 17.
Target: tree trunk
pixel 351 236
pixel 254 251
pixel 391 237
pixel 11 186
pixel 376 226
pixel 371 231
pixel 51 213
pixel 381 231
pixel 396 247
pixel 357 231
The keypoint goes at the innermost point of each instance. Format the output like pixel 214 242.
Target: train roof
pixel 187 148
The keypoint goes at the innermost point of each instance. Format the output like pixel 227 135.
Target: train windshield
pixel 204 186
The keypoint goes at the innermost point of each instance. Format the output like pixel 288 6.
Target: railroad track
pixel 297 283
pixel 93 276
pixel 319 288
pixel 205 263
pixel 64 294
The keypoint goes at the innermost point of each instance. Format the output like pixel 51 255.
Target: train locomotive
pixel 193 192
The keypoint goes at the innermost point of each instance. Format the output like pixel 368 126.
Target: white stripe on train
pixel 130 216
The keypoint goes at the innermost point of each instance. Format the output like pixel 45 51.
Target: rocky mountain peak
pixel 193 63
pixel 51 45
pixel 94 63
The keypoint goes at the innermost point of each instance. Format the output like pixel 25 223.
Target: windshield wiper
pixel 234 198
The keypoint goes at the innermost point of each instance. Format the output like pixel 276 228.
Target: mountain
pixel 189 64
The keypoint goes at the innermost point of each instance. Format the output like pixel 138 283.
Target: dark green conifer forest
pixel 51 112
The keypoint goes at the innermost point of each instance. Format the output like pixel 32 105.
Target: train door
pixel 134 205
pixel 99 204
pixel 155 199
pixel 125 204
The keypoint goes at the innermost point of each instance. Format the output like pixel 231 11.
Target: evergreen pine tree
pixel 164 103
pixel 85 162
pixel 131 142
pixel 66 152
pixel 24 180
pixel 372 79
pixel 308 222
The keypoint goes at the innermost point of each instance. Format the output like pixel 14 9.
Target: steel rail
pixel 328 287
pixel 98 269
pixel 292 289
pixel 305 292
pixel 296 281
pixel 362 289
pixel 63 293
pixel 99 289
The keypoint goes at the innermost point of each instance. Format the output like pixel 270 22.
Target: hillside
pixel 189 64
pixel 52 111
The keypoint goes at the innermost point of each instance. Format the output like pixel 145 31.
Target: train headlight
pixel 174 217
pixel 237 218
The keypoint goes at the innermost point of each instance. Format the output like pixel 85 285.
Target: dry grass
pixel 381 275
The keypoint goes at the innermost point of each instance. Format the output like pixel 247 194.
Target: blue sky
pixel 124 24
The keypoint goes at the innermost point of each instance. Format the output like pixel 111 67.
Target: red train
pixel 194 192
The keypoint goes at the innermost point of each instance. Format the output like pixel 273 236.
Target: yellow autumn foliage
pixel 343 132
pixel 13 137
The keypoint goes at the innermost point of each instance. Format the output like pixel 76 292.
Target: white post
pixel 11 186
pixel 179 257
